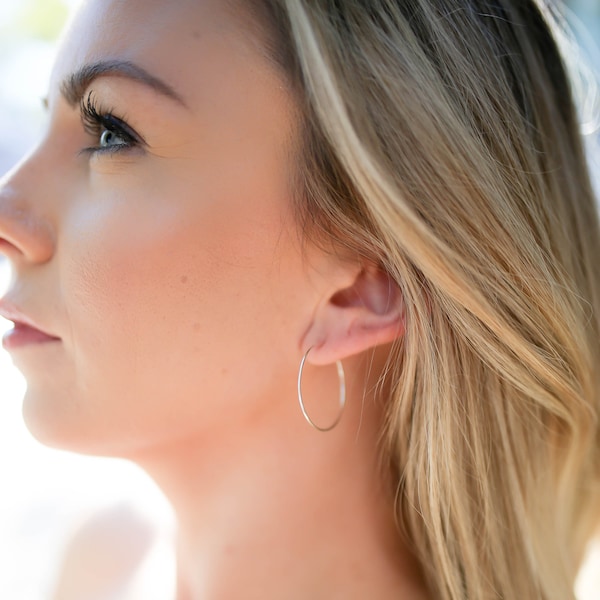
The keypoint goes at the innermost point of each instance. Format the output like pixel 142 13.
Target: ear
pixel 368 313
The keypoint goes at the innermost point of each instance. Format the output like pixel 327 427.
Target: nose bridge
pixel 25 231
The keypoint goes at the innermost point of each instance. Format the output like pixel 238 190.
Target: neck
pixel 287 512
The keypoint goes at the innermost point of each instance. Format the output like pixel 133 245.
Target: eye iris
pixel 110 138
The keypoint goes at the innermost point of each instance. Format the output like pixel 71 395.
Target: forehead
pixel 179 39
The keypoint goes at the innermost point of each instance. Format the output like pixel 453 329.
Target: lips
pixel 25 331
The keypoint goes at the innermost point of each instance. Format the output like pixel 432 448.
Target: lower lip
pixel 23 335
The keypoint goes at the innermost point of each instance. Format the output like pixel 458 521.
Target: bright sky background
pixel 45 493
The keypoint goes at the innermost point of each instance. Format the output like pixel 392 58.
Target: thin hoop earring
pixel 342 378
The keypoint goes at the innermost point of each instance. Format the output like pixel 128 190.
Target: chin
pixel 48 423
pixel 55 420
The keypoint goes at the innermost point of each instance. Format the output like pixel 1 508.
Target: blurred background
pixel 50 499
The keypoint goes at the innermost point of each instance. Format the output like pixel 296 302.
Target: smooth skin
pixel 165 257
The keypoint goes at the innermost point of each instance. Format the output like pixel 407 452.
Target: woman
pixel 373 214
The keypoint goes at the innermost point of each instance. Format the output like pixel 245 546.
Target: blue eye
pixel 112 133
pixel 110 139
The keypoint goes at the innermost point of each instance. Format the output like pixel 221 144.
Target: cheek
pixel 170 299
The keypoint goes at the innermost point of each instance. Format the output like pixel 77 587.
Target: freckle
pixel 196 326
pixel 184 279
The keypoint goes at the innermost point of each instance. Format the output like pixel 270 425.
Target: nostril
pixel 7 249
pixel 24 236
pixel 5 275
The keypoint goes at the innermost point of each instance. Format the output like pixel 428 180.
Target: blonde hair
pixel 441 141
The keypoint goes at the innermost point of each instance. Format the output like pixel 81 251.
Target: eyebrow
pixel 74 86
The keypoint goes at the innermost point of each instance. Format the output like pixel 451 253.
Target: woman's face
pixel 152 231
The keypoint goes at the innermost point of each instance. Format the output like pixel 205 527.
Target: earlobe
pixel 368 313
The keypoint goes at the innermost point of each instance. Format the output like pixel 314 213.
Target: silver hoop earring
pixel 342 378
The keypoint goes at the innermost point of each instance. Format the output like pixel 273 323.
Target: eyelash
pixel 96 121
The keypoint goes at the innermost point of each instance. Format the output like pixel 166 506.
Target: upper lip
pixel 9 311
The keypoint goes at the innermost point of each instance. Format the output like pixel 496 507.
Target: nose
pixel 26 235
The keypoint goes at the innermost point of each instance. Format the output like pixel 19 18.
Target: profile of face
pixel 151 231
pixel 152 234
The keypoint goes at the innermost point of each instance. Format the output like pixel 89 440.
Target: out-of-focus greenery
pixel 42 19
